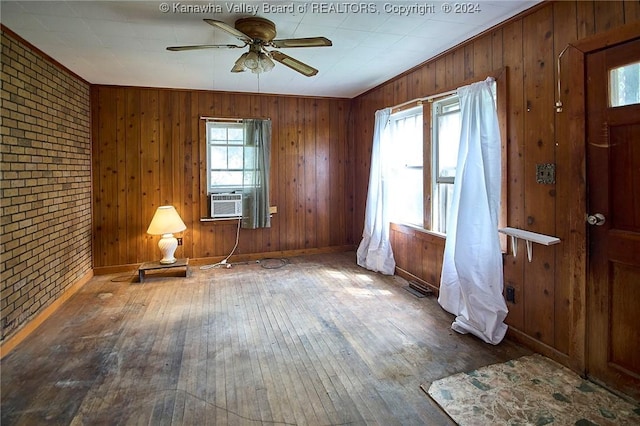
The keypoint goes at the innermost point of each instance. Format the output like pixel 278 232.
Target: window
pixel 404 168
pixel 444 155
pixel 228 159
pixel 624 85
pixel 445 141
pixel 238 156
pixel 421 171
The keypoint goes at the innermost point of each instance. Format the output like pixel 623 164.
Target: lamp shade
pixel 266 63
pixel 252 60
pixel 166 220
pixel 239 65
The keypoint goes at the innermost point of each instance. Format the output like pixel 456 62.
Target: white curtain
pixel 375 252
pixel 471 281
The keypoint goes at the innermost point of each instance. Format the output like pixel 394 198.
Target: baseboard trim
pixel 116 269
pixel 518 336
pixel 28 328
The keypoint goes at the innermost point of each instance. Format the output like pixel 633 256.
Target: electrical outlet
pixel 511 294
pixel 179 241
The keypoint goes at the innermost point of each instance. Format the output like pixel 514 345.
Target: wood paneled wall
pixel 149 150
pixel 545 312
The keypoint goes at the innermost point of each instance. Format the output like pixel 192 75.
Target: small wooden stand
pixel 152 266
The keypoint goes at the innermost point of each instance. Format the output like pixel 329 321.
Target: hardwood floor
pixel 318 341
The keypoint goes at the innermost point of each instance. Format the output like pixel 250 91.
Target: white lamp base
pixel 168 245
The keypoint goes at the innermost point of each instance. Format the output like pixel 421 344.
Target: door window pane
pixel 624 85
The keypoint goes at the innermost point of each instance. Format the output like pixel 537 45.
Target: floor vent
pixel 418 289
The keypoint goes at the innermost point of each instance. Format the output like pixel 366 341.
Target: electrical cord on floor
pixel 223 263
pixel 273 263
pixel 266 263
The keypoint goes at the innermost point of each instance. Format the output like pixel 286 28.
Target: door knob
pixel 597 219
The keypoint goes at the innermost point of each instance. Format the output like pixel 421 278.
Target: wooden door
pixel 613 171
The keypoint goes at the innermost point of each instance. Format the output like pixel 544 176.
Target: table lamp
pixel 165 222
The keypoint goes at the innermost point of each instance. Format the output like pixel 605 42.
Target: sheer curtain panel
pixel 471 282
pixel 374 251
pixel 257 158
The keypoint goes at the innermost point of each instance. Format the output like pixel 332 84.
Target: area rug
pixel 532 390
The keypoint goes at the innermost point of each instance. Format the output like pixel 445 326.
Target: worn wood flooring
pixel 318 341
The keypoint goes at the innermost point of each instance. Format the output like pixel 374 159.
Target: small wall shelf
pixel 529 237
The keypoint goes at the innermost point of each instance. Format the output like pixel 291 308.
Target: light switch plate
pixel 546 173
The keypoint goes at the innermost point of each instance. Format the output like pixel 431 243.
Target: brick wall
pixel 45 182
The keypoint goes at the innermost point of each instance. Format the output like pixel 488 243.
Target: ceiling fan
pixel 259 33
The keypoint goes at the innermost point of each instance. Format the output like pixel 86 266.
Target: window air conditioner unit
pixel 226 205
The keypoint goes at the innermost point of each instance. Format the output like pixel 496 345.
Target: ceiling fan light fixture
pixel 256 62
pixel 237 68
pixel 259 34
pixel 252 60
pixel 266 63
pixel 239 65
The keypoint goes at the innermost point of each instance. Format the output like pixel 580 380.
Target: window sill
pixel 406 226
pixel 219 219
pixel 427 234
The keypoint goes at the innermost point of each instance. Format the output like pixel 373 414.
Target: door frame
pixel 571 128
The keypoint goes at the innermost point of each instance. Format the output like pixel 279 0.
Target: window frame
pixel 223 189
pixel 435 154
pixel 435 157
pixel 614 85
pixel 500 77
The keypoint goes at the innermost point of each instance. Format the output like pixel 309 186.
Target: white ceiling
pixel 124 42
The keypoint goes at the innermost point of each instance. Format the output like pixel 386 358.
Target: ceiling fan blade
pixel 294 64
pixel 302 42
pixel 229 29
pixel 203 46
